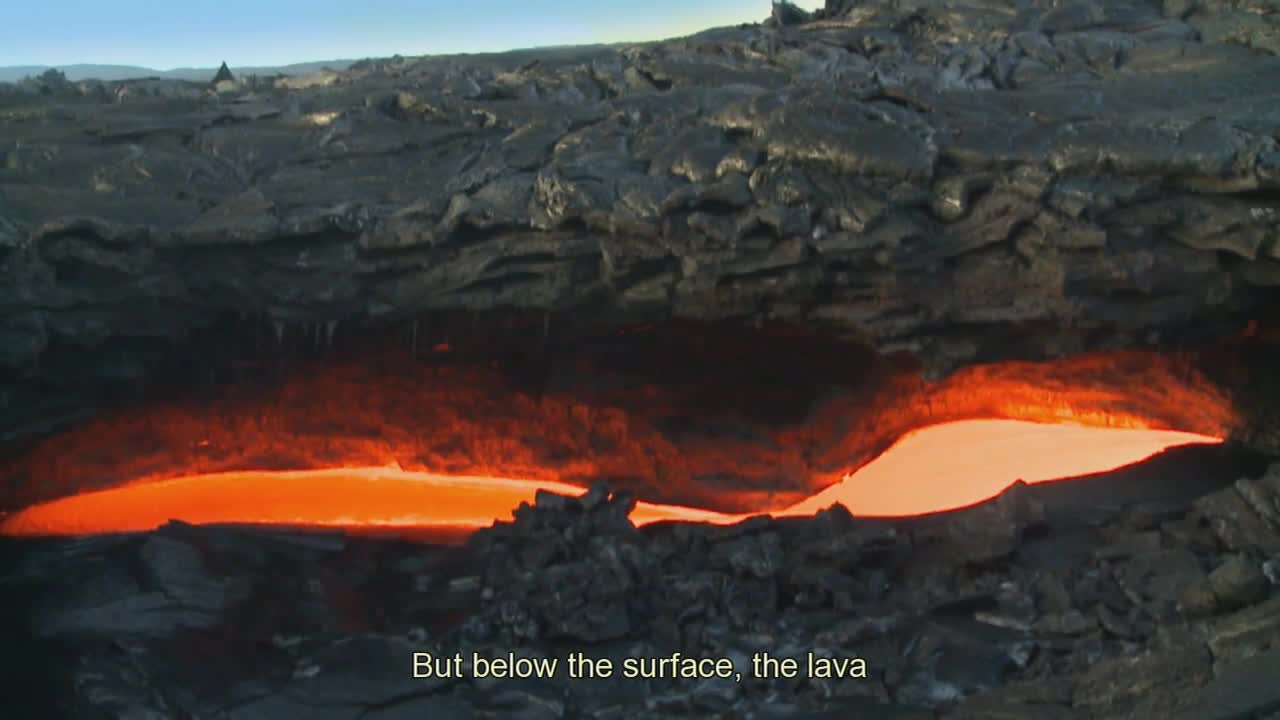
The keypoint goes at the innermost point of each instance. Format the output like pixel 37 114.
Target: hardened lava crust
pixel 963 182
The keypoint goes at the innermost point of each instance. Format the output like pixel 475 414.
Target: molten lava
pixel 692 424
pixel 938 468
pixel 961 463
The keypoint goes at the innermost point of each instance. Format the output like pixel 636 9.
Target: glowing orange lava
pixel 957 464
pixel 941 467
pixel 685 443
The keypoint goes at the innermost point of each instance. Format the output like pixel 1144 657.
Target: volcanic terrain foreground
pixel 1035 604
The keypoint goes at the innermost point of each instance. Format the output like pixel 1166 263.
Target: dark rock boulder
pixel 223 75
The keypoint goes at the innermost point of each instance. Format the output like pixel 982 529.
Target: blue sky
pixel 202 33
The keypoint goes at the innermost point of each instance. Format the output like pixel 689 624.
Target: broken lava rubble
pixel 1000 611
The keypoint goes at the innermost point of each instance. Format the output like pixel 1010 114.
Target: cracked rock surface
pixel 929 177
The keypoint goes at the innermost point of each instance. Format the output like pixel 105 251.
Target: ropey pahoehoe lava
pixel 350 445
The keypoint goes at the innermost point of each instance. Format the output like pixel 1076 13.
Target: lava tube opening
pixel 937 468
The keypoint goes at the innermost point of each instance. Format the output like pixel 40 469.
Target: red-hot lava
pixel 358 446
pixel 942 467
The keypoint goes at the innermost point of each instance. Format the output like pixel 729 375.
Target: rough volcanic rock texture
pixel 935 177
pixel 1022 607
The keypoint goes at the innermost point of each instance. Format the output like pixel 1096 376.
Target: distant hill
pixel 84 71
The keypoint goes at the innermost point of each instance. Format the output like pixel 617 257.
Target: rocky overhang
pixel 959 180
